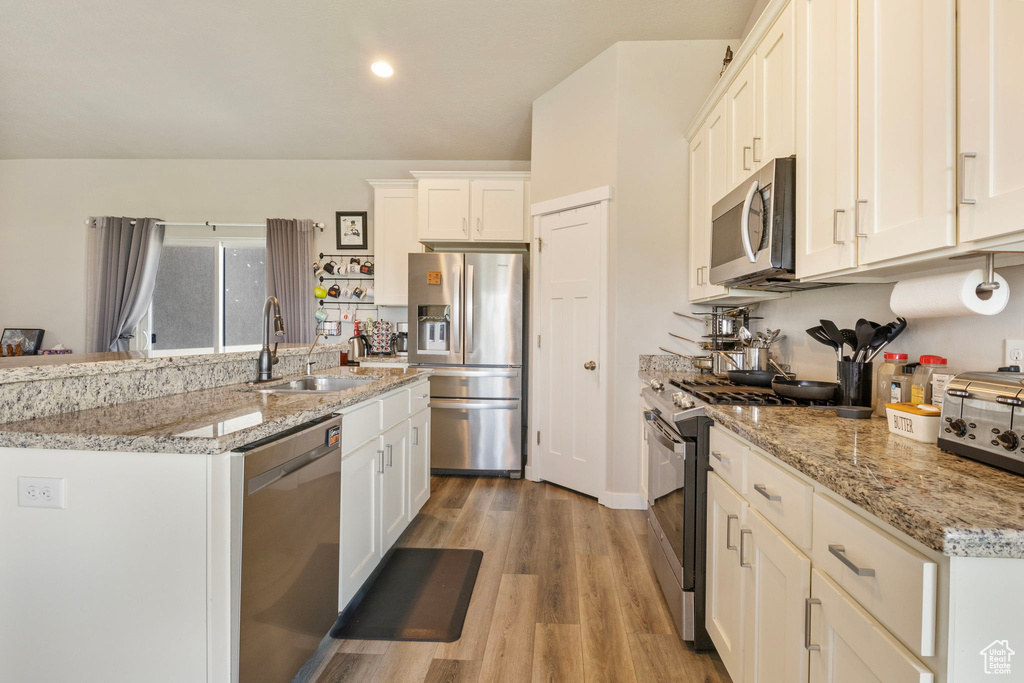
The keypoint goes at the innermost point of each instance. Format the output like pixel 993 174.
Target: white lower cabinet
pixel 385 480
pixel 360 517
pixel 847 644
pixel 777 580
pixel 725 585
pixel 419 461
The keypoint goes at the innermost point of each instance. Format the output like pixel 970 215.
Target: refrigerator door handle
pixel 457 312
pixel 469 309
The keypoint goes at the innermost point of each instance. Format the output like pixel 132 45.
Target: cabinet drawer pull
pixel 840 552
pixel 743 532
pixel 835 226
pixel 753 150
pixel 808 602
pixel 856 218
pixel 763 490
pixel 380 468
pixel 728 531
pixel 961 179
pixel 745 150
pixel 717 455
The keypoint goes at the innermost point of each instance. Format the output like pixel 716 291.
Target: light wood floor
pixel 565 593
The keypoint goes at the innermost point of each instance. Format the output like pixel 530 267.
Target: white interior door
pixel 906 127
pixel 991 61
pixel 570 375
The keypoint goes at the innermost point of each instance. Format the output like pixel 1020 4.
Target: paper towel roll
pixel 941 296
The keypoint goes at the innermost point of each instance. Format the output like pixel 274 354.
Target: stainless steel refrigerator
pixel 466 320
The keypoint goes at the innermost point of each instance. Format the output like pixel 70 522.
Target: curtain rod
pixel 208 224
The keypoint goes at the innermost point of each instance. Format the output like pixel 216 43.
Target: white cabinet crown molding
pixel 399 183
pixel 470 175
pixel 740 56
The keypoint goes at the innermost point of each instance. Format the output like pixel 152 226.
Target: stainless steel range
pixel 718 391
pixel 677 436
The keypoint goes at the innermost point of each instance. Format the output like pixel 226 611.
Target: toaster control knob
pixel 1009 440
pixel 958 427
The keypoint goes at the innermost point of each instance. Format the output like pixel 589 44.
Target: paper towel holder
pixel 989 284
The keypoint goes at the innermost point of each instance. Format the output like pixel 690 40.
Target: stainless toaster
pixel 983 418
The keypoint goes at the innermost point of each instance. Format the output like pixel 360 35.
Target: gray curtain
pixel 124 255
pixel 290 276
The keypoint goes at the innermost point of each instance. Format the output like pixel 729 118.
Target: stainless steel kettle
pixel 358 346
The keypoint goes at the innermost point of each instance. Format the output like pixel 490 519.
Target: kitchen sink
pixel 314 384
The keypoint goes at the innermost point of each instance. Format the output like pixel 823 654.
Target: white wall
pixel 969 342
pixel 43 204
pixel 620 120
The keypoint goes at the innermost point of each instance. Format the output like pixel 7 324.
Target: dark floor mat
pixel 418 594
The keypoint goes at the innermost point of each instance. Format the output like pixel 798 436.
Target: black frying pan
pixel 752 378
pixel 804 389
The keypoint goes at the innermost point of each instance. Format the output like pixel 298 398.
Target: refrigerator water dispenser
pixel 434 327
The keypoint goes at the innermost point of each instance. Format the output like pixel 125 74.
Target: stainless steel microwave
pixel 753 232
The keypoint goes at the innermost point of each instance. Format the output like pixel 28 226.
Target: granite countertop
pixel 951 504
pixel 33 368
pixel 209 421
pixel 384 359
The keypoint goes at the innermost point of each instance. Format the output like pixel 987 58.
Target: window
pixel 208 297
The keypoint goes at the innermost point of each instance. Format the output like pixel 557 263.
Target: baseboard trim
pixel 528 473
pixel 623 501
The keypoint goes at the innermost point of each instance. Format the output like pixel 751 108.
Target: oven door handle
pixel 745 221
pixel 657 432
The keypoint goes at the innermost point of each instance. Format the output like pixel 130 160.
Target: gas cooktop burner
pixel 718 391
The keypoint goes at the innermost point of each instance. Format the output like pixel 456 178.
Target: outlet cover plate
pixel 1013 352
pixel 41 492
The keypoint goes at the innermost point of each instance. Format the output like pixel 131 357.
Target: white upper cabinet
pixel 991 135
pixel 473 207
pixel 826 146
pixel 444 209
pixel 395 205
pixel 906 127
pixel 741 105
pixel 775 122
pixel 718 155
pixel 700 218
pixel 496 211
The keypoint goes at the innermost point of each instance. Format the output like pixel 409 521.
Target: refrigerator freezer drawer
pixel 475 434
pixel 476 383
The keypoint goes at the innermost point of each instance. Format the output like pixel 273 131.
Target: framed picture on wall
pixel 29 340
pixel 352 230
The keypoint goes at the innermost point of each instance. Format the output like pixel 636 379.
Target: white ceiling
pixel 290 79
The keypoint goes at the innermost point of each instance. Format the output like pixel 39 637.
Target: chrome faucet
pixel 309 363
pixel 268 359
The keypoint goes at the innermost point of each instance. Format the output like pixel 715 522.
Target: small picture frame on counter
pixel 30 340
pixel 352 230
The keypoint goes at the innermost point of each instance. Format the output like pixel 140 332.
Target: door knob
pixel 590 365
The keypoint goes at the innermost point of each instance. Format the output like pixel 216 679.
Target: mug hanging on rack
pixel 353 265
pixel 366 268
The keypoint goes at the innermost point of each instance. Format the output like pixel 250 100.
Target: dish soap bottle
pixel 921 386
pixel 887 392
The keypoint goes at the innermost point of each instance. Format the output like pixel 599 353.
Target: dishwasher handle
pixel 262 481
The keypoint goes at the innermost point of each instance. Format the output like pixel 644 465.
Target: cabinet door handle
pixel 719 457
pixel 745 150
pixel 728 532
pixel 840 552
pixel 763 490
pixel 807 624
pixel 835 226
pixel 961 177
pixel 753 150
pixel 479 226
pixel 391 452
pixel 856 218
pixel 699 269
pixel 415 436
pixel 744 532
pixel 380 468
pixel 465 225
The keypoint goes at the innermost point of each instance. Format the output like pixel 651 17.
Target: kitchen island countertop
pixel 207 421
pixel 954 505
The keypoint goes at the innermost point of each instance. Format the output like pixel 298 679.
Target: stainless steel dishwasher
pixel 288 568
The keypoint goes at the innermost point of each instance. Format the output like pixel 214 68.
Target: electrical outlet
pixel 1013 352
pixel 41 492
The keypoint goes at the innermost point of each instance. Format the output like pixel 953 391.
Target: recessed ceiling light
pixel 382 69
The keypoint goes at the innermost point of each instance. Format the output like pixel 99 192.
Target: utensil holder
pixel 855 382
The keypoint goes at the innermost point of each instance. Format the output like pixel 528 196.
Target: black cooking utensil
pixel 819 335
pixel 850 337
pixel 804 389
pixel 753 378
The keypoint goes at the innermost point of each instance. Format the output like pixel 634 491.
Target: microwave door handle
pixel 745 221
